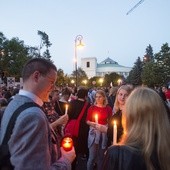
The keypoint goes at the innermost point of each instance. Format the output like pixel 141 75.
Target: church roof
pixel 108 61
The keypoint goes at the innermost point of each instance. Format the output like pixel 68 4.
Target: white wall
pixel 90 71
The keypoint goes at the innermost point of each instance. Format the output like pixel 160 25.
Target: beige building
pixel 92 68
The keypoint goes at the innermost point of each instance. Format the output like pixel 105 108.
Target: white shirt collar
pixel 32 96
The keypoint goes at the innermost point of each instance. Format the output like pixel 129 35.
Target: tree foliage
pixel 149 54
pixel 135 74
pixel 13 56
pixel 14 53
pixel 81 75
pixel 112 78
pixel 44 42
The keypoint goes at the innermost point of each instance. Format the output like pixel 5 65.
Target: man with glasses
pixel 32 144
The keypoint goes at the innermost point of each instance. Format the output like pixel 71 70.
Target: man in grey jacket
pixel 31 144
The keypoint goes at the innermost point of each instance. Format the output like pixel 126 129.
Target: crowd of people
pixel 142 116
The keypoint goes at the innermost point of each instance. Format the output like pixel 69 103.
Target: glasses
pixel 51 80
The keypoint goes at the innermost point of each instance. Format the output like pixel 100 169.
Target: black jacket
pixel 123 158
pixel 127 158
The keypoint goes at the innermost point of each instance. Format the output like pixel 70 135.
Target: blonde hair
pixel 128 89
pixel 102 93
pixel 147 125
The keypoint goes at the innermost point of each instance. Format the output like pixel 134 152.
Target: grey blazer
pixel 31 144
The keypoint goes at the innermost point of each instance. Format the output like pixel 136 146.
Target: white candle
pixel 114 133
pixel 66 110
pixel 96 118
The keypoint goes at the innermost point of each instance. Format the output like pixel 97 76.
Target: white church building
pixel 92 68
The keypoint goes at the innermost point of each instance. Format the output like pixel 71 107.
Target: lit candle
pixel 67 143
pixel 114 133
pixel 66 110
pixel 96 118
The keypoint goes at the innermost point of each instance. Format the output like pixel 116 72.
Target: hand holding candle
pixel 67 143
pixel 114 133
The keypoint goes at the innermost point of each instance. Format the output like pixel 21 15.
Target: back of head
pixel 82 93
pixel 37 64
pixel 113 91
pixel 147 124
pixel 66 92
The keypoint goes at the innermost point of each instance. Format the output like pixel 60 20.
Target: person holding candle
pixel 32 144
pixel 60 106
pixel 99 113
pixel 55 120
pixel 80 142
pixel 121 96
pixel 146 143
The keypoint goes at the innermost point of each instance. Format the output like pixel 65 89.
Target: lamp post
pixel 78 43
pixel 119 82
pixel 101 81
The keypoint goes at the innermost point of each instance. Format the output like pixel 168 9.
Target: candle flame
pixel 96 118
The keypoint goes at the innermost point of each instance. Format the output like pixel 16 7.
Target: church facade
pixel 92 68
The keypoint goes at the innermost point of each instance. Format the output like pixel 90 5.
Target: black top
pixel 118 118
pixel 60 107
pixel 127 158
pixel 123 158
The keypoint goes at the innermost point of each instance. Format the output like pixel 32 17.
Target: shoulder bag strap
pixel 13 119
pixel 82 112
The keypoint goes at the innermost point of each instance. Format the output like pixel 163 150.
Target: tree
pixel 149 74
pixel 157 71
pixel 15 55
pixel 44 42
pixel 93 81
pixel 81 75
pixel 162 62
pixel 61 81
pixel 135 74
pixel 112 78
pixel 149 54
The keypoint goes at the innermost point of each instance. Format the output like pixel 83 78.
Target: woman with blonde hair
pixel 97 141
pixel 121 96
pixel 146 143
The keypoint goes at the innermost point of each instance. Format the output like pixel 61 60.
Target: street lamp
pixel 119 82
pixel 72 82
pixel 78 43
pixel 85 82
pixel 101 81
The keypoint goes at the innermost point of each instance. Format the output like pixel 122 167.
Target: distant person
pixel 32 145
pixel 55 120
pixel 112 96
pixel 146 143
pixel 64 99
pixel 80 142
pixel 97 140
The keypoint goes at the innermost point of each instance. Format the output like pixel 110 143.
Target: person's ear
pixel 36 75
